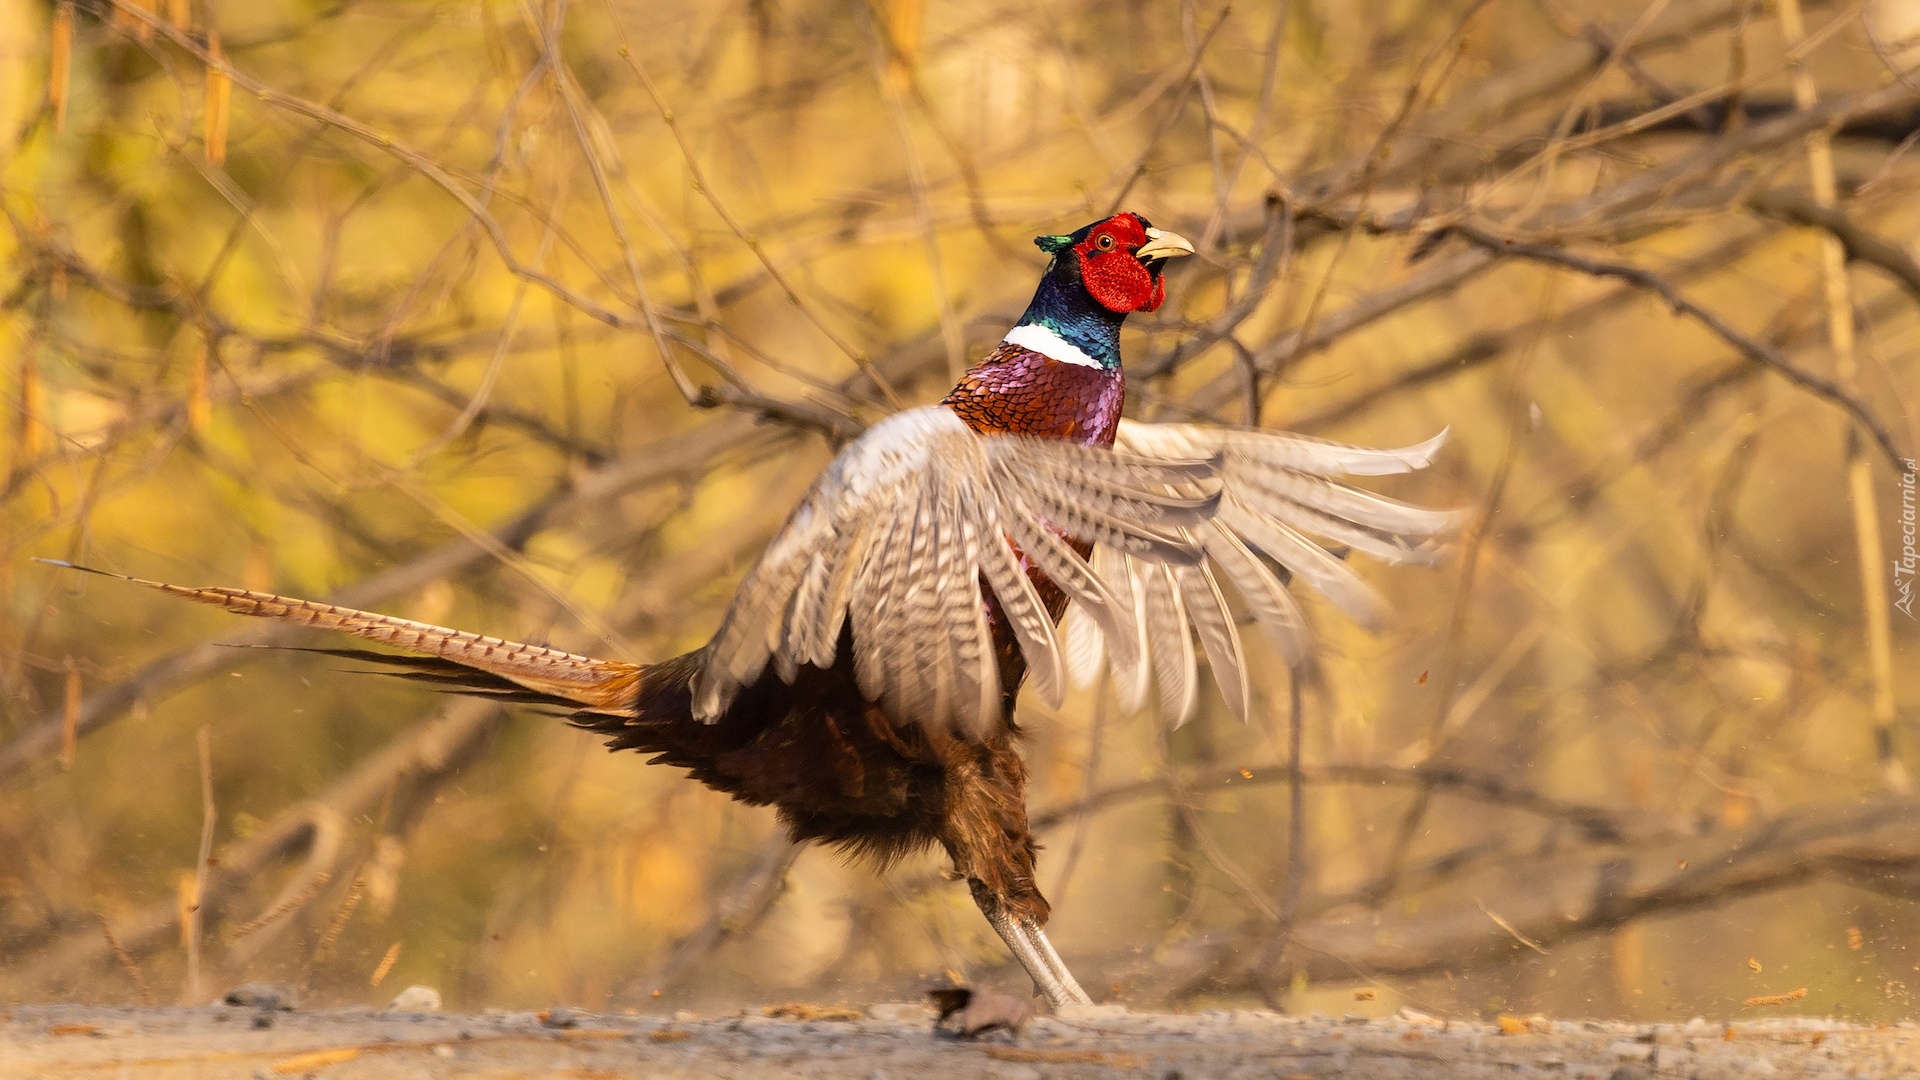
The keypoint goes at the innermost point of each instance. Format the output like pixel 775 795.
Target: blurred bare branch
pixel 1563 897
pixel 539 319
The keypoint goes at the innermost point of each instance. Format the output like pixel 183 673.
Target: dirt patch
pixel 895 1041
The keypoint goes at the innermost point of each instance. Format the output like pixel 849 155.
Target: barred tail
pixel 459 660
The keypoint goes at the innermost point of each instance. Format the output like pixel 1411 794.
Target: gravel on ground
pixel 896 1042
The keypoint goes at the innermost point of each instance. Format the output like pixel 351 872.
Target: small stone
pixel 443 1050
pixel 1631 1051
pixel 684 1016
pixel 259 995
pixel 559 1018
pixel 419 999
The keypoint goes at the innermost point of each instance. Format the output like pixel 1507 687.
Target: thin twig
pixel 339 925
pixel 754 243
pixel 570 96
pixel 414 159
pixel 1875 608
pixel 1860 244
pixel 1269 961
pixel 1758 352
pixel 1194 56
pixel 282 909
pixel 209 817
pixel 126 962
pixel 1509 928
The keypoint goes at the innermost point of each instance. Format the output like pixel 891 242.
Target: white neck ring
pixel 1037 338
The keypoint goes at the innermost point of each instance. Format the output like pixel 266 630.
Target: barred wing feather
pixel 1276 491
pixel 914 524
pixel 899 535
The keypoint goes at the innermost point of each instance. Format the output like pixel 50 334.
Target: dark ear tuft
pixel 1053 245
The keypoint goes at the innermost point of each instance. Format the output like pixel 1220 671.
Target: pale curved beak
pixel 1162 244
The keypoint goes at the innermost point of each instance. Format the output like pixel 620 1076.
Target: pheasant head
pixel 1099 274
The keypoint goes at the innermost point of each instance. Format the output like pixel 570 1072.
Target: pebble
pixel 895 1044
pixel 1631 1051
pixel 259 995
pixel 419 999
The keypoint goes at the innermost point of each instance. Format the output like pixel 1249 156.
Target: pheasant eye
pixel 1105 242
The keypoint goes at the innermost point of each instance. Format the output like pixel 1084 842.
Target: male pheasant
pixel 924 577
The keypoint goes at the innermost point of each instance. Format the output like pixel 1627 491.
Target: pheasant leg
pixel 1059 967
pixel 1030 946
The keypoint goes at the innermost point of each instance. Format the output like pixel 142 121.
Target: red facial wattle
pixel 1111 273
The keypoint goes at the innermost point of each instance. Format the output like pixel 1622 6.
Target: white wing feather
pixel 921 524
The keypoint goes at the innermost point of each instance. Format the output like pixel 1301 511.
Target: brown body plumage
pixel 841 772
pixel 837 769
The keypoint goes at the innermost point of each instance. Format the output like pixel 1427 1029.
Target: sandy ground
pixel 895 1041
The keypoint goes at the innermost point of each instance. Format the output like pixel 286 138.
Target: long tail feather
pixel 462 660
pixel 445 675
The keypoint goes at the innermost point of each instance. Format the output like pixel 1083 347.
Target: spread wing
pixel 914 523
pixel 901 534
pixel 1277 493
